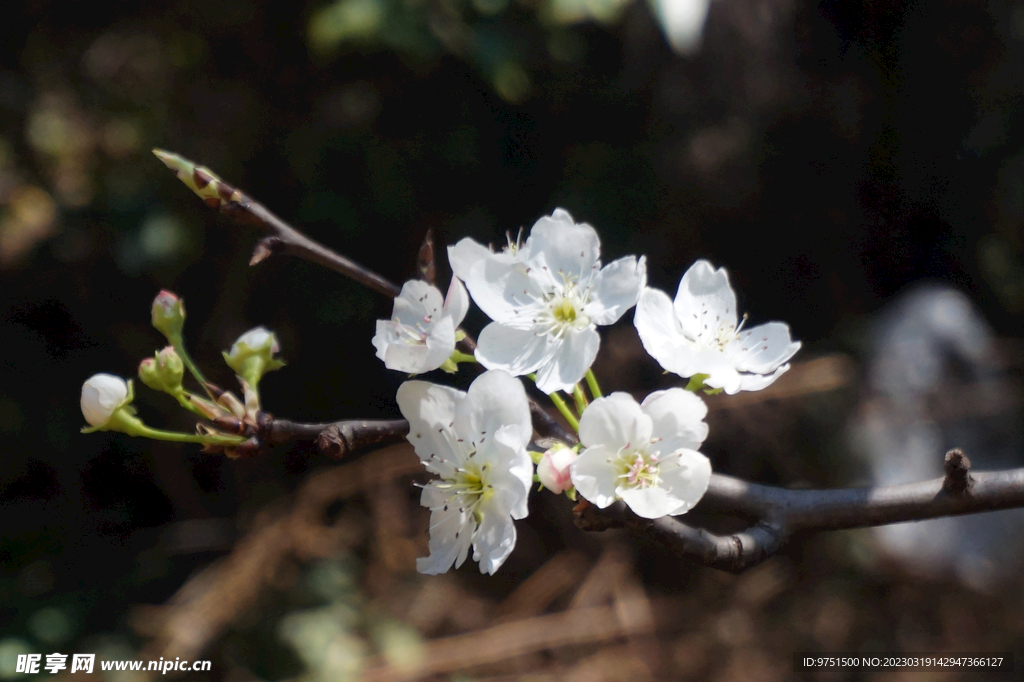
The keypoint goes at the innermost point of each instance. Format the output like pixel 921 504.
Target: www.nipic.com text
pixel 85 663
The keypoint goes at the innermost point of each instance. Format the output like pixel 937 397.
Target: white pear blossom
pixel 102 395
pixel 476 443
pixel 420 336
pixel 644 454
pixel 698 334
pixel 546 298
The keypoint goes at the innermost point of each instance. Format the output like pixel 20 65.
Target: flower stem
pixel 459 356
pixel 560 404
pixel 174 437
pixel 179 347
pixel 566 412
pixel 595 390
pixel 182 398
pixel 580 398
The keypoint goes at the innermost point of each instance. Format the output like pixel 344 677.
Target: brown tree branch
pixel 337 438
pixel 778 513
pixel 775 513
pixel 283 238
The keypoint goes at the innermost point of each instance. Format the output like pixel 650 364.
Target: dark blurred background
pixel 830 155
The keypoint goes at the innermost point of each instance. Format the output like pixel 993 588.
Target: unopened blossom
pixel 420 336
pixel 168 315
pixel 475 443
pixel 252 355
pixel 553 468
pixel 698 334
pixel 644 454
pixel 547 297
pixel 163 372
pixel 102 395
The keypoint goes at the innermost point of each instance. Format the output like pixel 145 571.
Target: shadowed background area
pixel 829 155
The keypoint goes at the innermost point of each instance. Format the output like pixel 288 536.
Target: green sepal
pixel 696 382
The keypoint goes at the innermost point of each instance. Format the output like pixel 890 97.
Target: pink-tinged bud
pixel 553 468
pixel 169 315
pixel 164 372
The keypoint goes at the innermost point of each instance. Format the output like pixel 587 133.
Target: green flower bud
pixel 169 315
pixel 164 372
pixel 252 355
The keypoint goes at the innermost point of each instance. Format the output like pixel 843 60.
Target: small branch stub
pixel 958 479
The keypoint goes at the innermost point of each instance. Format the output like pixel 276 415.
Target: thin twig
pixel 283 238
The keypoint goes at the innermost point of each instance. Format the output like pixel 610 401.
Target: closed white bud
pixel 102 395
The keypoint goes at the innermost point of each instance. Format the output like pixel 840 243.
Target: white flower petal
pixel 456 303
pixel 498 282
pixel 616 289
pixel 763 348
pixel 418 304
pixel 565 246
pixel 414 358
pixel 515 474
pixel 650 503
pixel 431 409
pixel 573 355
pixel 593 474
pixel 677 419
pixel 464 255
pixel 686 477
pixel 386 334
pixel 493 541
pixel 756 382
pixel 720 370
pixel 403 357
pixel 451 534
pixel 516 351
pixel 705 300
pixel 503 288
pixel 614 421
pixel 495 400
pixel 656 323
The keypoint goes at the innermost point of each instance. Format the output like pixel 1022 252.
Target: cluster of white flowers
pixel 546 297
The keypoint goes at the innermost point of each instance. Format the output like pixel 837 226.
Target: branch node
pixel 958 480
pixel 332 442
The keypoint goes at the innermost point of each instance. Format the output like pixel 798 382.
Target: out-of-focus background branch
pixel 856 166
